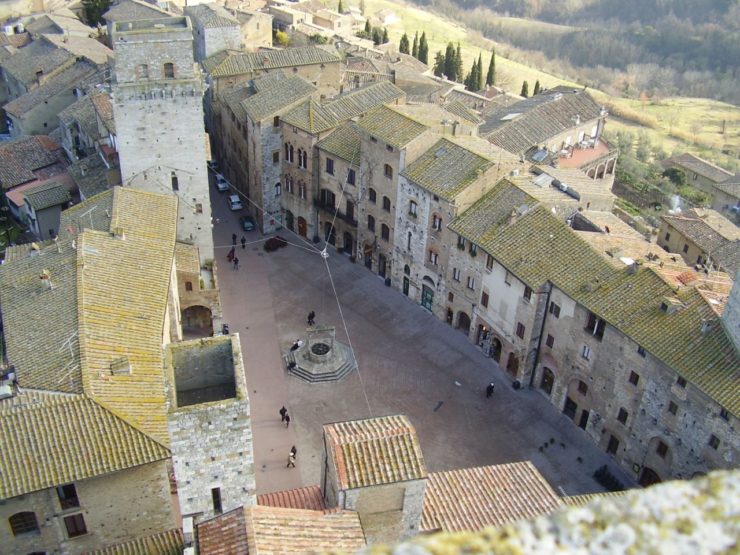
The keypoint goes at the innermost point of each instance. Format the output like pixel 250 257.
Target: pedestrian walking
pixel 489 390
pixel 230 256
pixel 293 451
pixel 244 242
pixel 311 317
pixel 287 420
pixel 236 263
pixel 283 412
pixel 233 239
pixel 291 460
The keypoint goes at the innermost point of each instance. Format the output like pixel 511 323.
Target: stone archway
pixel 496 348
pixel 289 220
pixel 302 226
pixel 648 477
pixel 197 321
pixel 463 322
pixel 547 381
pixel 512 365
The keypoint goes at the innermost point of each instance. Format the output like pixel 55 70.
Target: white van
pixel 235 203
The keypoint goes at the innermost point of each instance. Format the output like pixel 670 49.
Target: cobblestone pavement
pixel 409 363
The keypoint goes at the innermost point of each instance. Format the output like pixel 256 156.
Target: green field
pixel 691 124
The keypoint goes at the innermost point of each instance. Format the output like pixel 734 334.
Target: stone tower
pixel 158 109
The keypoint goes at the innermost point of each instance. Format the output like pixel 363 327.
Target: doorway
pixel 648 477
pixel 463 323
pixel 512 365
pixel 349 244
pixel 330 235
pixel 381 265
pixel 406 286
pixel 302 227
pixel 548 379
pixel 584 420
pixel 570 408
pixel 289 220
pixel 427 297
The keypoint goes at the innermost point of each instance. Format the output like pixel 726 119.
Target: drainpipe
pixel 539 341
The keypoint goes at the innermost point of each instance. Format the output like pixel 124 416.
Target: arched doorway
pixel 427 297
pixel 496 349
pixel 512 365
pixel 330 235
pixel 648 477
pixel 302 227
pixel 349 243
pixel 547 381
pixel 381 265
pixel 289 220
pixel 197 322
pixel 463 323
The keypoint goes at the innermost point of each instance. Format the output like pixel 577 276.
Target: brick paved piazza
pixel 409 363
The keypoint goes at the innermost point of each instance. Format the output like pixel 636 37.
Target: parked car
pixel 275 243
pixel 247 223
pixel 235 203
pixel 213 165
pixel 221 184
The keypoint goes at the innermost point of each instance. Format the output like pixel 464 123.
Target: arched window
pixel 385 232
pixel 548 379
pixel 287 152
pixel 371 196
pixel 386 204
pixel 169 70
pixel 290 154
pixel 142 71
pixel 188 286
pixel 23 523
pixel 388 171
pixel 278 189
pixel 175 183
pixel 370 223
pixel 407 270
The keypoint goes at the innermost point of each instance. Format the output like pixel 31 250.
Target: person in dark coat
pixel 311 318
pixel 287 420
pixel 489 390
pixel 283 412
pixel 244 242
pixel 233 239
pixel 293 451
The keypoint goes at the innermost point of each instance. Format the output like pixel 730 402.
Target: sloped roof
pixel 581 500
pixel 93 213
pixel 131 10
pixel 47 195
pixel 474 498
pixel 233 97
pixel 316 118
pixel 66 439
pixel 91 175
pixel 64 81
pixel 375 451
pixel 94 50
pixel 104 109
pixel 282 95
pixel 390 126
pixel 461 110
pixel 41 55
pixel 211 16
pixel 730 187
pixel 538 248
pixel 169 542
pixel 19 158
pixel 698 166
pixel 61 21
pixel 224 534
pixel 345 142
pixel 535 120
pixel 295 531
pixel 446 169
pixel 309 498
pixel 237 63
pixel 83 113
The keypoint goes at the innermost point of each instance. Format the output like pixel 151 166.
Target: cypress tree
pixel 415 47
pixel 491 76
pixel 472 78
pixel 403 46
pixel 479 74
pixel 423 48
pixel 458 63
pixel 385 35
pixel 525 90
pixel 439 64
pixel 450 66
pixel 340 8
pixel 368 29
pixel 537 88
pixel 377 37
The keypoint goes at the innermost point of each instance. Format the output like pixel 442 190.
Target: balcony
pixel 330 208
pixel 586 154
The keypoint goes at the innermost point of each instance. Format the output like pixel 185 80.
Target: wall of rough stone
pixel 300 207
pixel 731 314
pixel 335 183
pixel 271 140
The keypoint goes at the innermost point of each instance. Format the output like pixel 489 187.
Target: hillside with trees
pixel 657 48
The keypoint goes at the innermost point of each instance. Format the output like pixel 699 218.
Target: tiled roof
pixel 698 166
pixel 539 118
pixel 344 142
pixel 63 82
pixel 186 258
pixel 390 126
pixel 104 109
pixel 459 109
pixel 491 211
pixel 169 542
pixel 233 97
pixel 86 47
pixel 91 175
pixel 211 16
pixel 282 95
pixel 61 21
pixel 225 534
pixel 83 113
pixel 473 498
pixel 93 213
pixel 581 500
pixel 19 158
pixel 294 531
pixel 67 439
pixel 539 247
pixel 237 63
pixel 446 169
pixel 131 10
pixel 375 451
pixel 309 498
pixel 40 55
pixel 316 118
pixel 47 195
pixel 730 187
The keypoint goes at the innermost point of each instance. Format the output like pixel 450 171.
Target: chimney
pixel 513 216
pixel 46 280
pixel 118 233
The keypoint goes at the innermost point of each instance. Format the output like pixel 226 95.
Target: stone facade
pixel 299 179
pixel 731 314
pixel 210 428
pixel 159 120
pixel 255 29
pixel 265 177
pixel 210 38
pixel 140 506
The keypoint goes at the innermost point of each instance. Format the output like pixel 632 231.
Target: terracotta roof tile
pixel 236 63
pixel 390 126
pixel 473 498
pixel 279 95
pixel 375 451
pixel 301 498
pixel 20 158
pixel 344 142
pixel 169 542
pixel 225 534
pixel 47 195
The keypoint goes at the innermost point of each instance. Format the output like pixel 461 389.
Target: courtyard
pixel 409 363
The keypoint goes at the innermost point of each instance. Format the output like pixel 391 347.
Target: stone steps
pixel 310 376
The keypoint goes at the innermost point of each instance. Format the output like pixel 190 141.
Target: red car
pixel 275 243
